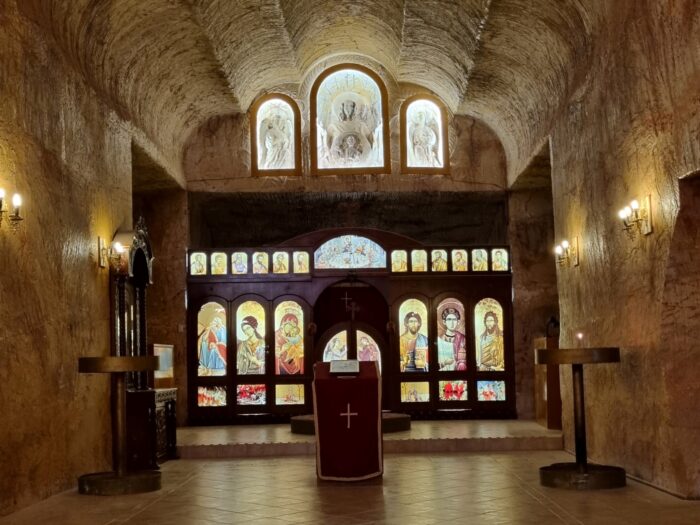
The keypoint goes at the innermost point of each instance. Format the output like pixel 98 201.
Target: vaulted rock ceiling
pixel 168 66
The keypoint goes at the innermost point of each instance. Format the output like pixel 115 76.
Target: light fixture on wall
pixel 15 216
pixel 636 217
pixel 567 252
pixel 110 255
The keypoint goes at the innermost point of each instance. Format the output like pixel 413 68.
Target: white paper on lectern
pixel 345 366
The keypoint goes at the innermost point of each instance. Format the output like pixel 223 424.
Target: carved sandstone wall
pixel 217 158
pixel 69 156
pixel 535 299
pixel 633 131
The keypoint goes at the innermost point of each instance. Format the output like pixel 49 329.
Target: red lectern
pixel 348 418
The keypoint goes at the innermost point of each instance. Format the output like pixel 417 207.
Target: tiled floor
pixel 432 487
pixel 424 437
pixel 473 488
pixel 494 488
pixel 419 430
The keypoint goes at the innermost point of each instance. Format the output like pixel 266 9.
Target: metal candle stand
pixel 580 475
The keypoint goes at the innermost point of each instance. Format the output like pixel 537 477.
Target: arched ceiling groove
pixel 532 57
pixel 251 41
pixel 170 66
pixel 319 29
pixel 150 60
pixel 438 51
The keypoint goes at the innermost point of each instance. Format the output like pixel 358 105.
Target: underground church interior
pixel 479 217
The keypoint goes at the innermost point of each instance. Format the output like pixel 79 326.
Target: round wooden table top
pixel 577 356
pixel 115 364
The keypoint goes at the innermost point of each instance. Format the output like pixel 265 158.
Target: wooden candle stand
pixel 119 481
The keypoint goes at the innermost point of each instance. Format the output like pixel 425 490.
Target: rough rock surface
pixel 633 131
pixel 612 84
pixel 68 155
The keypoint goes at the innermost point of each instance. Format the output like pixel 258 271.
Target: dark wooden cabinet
pixel 166 441
pixel 141 429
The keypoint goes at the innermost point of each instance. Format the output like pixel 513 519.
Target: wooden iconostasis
pixel 437 318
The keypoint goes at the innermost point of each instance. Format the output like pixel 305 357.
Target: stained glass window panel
pixel 289 394
pixel 219 263
pixel 424 146
pixel 439 263
pixel 301 262
pixel 211 341
pixel 349 251
pixel 367 348
pixel 491 390
pixel 419 261
pixel 399 261
pixel 251 395
pixel 211 396
pixel 415 392
pixel 453 390
pixel 289 338
pixel 198 263
pixel 413 342
pixel 260 262
pixel 451 341
pixel 349 121
pixel 239 263
pixel 275 135
pixel 459 261
pixel 337 347
pixel 250 332
pixel 479 260
pixel 499 260
pixel 488 331
pixel 280 262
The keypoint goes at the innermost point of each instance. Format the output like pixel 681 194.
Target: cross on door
pixel 348 414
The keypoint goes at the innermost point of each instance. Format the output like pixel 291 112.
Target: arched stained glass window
pixel 419 260
pixel 289 338
pixel 337 347
pixel 349 251
pixel 424 147
pixel 424 135
pixel 413 342
pixel 399 261
pixel 198 263
pixel 218 261
pixel 250 331
pixel 488 331
pixel 451 341
pixel 349 128
pixel 499 260
pixel 479 260
pixel 211 341
pixel 275 136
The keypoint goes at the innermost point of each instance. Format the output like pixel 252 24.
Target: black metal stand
pixel 580 475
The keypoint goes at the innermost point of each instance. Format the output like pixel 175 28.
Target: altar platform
pixel 423 437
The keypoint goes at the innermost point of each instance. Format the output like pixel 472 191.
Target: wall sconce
pixel 111 255
pixel 15 217
pixel 636 217
pixel 567 252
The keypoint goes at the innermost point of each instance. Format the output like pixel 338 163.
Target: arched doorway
pixel 352 318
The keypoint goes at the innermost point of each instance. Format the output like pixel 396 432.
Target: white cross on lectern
pixel 348 414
